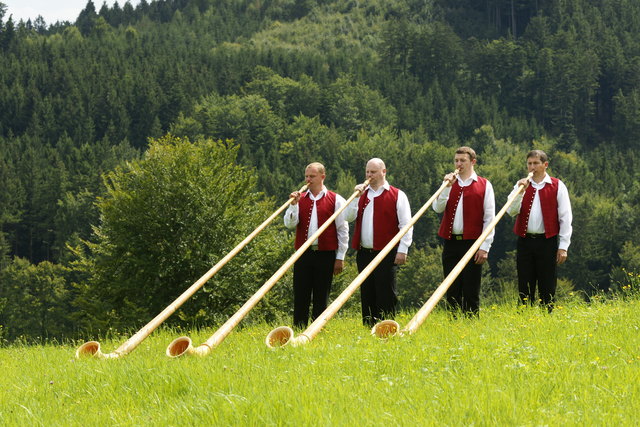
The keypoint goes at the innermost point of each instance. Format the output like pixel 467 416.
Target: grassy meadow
pixel 521 367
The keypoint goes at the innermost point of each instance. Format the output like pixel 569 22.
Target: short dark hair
pixel 467 150
pixel 538 153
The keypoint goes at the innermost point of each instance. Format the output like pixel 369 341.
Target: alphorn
pixel 283 335
pixel 184 346
pixel 92 348
pixel 388 328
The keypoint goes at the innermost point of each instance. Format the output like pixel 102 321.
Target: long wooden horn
pixel 92 348
pixel 386 329
pixel 283 335
pixel 183 345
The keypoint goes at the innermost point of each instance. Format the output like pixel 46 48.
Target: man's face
pixel 375 174
pixel 313 177
pixel 537 166
pixel 463 163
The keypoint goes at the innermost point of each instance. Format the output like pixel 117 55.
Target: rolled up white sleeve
pixel 342 227
pixel 404 217
pixel 291 216
pixel 514 208
pixel 489 213
pixel 352 210
pixel 565 217
pixel 441 202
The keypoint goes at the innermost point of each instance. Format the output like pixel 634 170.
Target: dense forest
pixel 138 145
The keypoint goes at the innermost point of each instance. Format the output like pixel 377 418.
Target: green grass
pixel 578 366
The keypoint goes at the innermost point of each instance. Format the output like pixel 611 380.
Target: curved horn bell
pixel 92 348
pixel 385 329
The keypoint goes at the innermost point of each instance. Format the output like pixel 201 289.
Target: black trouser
pixel 378 293
pixel 464 292
pixel 312 277
pixel 536 263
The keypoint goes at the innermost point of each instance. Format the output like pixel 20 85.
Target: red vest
pixel 325 207
pixel 548 203
pixel 385 218
pixel 473 211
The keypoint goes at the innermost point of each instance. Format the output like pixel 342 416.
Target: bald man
pixel 380 213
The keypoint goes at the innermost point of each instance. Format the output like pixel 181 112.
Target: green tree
pixel 286 96
pixel 87 18
pixel 247 120
pixel 36 300
pixel 3 11
pixel 43 177
pixel 627 118
pixel 437 54
pixel 420 276
pixel 165 220
pixel 355 106
pixel 629 270
pixel 306 140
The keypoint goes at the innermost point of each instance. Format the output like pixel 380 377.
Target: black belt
pixel 456 237
pixel 368 250
pixel 314 248
pixel 535 236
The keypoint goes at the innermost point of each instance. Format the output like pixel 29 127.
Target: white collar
pixel 384 186
pixel 473 176
pixel 545 180
pixel 320 194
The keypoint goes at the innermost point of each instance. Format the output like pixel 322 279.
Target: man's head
pixel 537 162
pixel 376 172
pixel 465 159
pixel 539 154
pixel 314 175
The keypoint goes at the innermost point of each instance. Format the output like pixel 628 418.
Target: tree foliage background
pixel 113 215
pixel 165 220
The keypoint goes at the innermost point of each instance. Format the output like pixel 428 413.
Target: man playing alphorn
pixel 380 213
pixel 469 206
pixel 313 272
pixel 543 226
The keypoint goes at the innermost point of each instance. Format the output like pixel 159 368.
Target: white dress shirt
pixel 291 219
pixel 489 207
pixel 403 210
pixel 536 222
